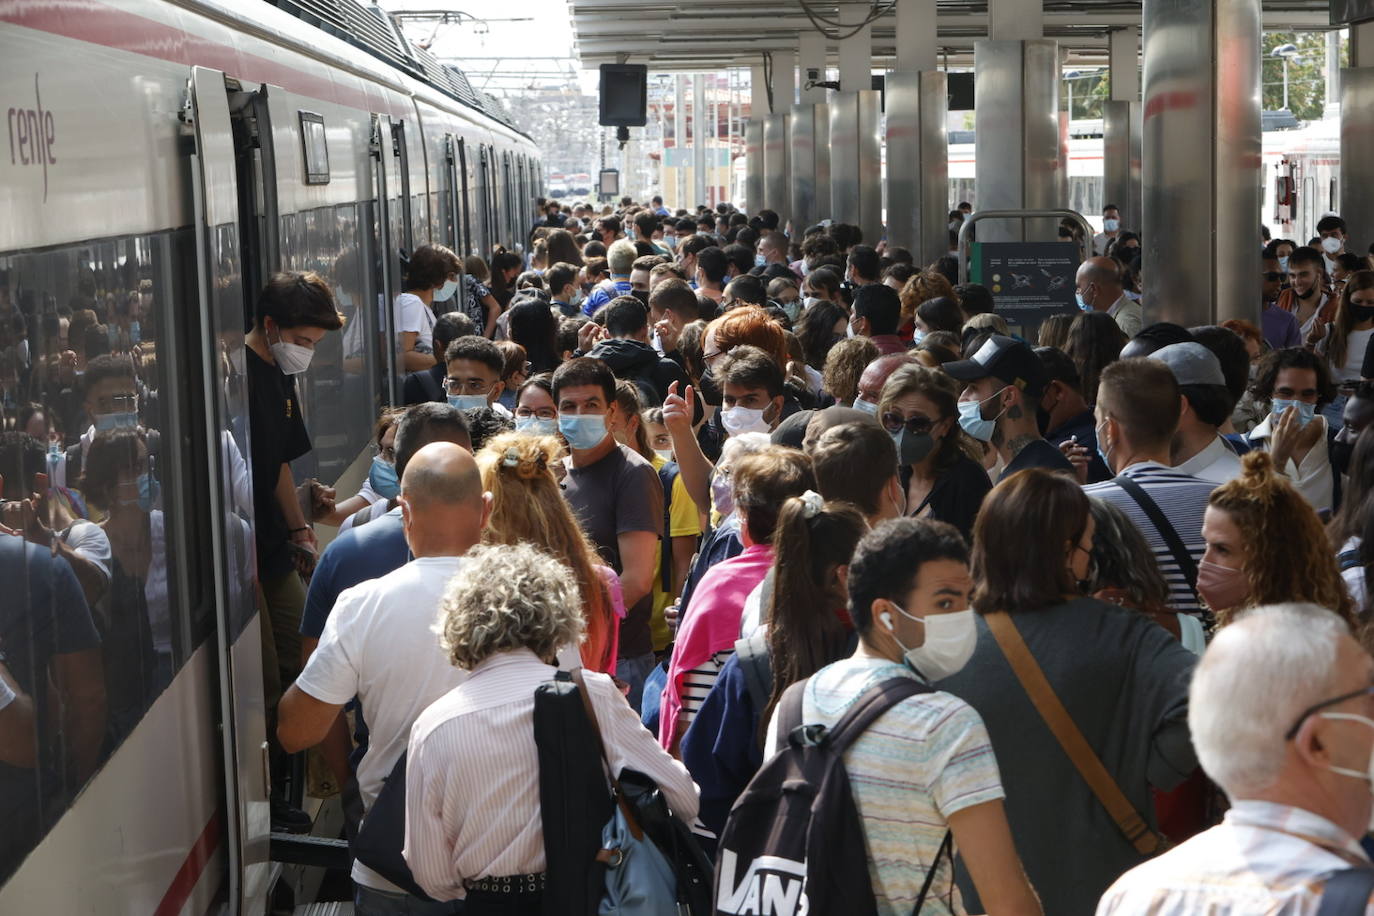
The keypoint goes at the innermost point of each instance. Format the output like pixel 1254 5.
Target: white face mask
pixel 738 420
pixel 949 644
pixel 1368 775
pixel 665 453
pixel 1331 244
pixel 292 359
pixel 810 301
pixel 445 292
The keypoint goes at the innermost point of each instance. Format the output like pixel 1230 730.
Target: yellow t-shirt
pixel 683 521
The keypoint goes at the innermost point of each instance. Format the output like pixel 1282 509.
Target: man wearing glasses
pixel 474 374
pixel 1279 325
pixel 1282 716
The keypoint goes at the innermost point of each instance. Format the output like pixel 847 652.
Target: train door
pixel 225 262
pixel 391 228
pixel 448 183
pixel 463 197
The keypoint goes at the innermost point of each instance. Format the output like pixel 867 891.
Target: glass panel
pixel 95 620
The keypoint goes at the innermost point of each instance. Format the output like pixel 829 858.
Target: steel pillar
pixel 753 165
pixel 777 186
pixel 699 135
pixel 1357 169
pixel 1201 160
pixel 918 163
pixel 856 192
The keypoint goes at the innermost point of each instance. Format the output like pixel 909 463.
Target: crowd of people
pixel 742 479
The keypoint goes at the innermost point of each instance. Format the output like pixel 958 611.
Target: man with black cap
pixel 1198 448
pixel 877 312
pixel 1065 418
pixel 1004 382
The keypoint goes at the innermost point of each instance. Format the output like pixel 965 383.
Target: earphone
pixel 886 618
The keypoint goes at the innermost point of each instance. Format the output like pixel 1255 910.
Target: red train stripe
pixel 192 868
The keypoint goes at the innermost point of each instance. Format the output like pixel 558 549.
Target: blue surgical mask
pixel 971 419
pixel 1111 225
pixel 760 260
pixel 445 292
pixel 917 336
pixel 104 422
pixel 383 479
pixel 793 309
pixel 1097 434
pixel 867 407
pixel 1283 263
pixel 1306 412
pixel 1082 303
pixel 583 431
pixel 467 401
pixel 536 426
pixel 149 491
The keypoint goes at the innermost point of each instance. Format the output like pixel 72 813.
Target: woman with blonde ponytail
pixel 517 470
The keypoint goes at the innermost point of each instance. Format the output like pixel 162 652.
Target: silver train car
pixel 165 158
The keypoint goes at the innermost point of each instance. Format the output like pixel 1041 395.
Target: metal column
pixel 1201 160
pixel 777 188
pixel 1121 127
pixel 856 191
pixel 753 165
pixel 699 137
pixel 804 206
pixel 1017 140
pixel 918 163
pixel 1357 168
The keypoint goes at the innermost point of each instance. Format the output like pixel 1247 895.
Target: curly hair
pixel 1123 560
pixel 528 507
pixel 922 287
pixel 505 598
pixel 1267 376
pixel 1287 555
pixel 844 364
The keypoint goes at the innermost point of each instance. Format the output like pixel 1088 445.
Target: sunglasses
pixel 917 426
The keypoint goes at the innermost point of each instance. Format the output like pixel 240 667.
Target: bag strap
pixel 1067 733
pixel 790 709
pixel 630 819
pixel 1347 892
pixel 1182 557
pixel 756 666
pixel 871 704
pixel 946 847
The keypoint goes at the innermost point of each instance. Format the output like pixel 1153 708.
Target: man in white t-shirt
pixel 379 643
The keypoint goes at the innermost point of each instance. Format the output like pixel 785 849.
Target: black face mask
pixel 1362 313
pixel 913 449
pixel 709 390
pixel 1340 456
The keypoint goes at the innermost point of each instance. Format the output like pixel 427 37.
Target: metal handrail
pixel 966 229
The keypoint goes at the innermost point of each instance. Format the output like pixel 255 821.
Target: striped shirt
pixel 1262 858
pixel 1183 500
pixel 472 776
pixel 923 760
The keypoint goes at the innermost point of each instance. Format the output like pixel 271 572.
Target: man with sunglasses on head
pixel 1281 711
pixel 1279 325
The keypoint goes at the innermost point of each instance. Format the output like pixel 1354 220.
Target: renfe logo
pixel 32 135
pixel 773 886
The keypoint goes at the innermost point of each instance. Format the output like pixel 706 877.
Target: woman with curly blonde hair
pixel 1266 545
pixel 517 470
pixel 926 285
pixel 844 364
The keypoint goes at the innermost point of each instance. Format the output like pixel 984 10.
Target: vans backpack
pixel 794 843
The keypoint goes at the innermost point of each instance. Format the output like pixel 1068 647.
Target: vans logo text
pixel 32 136
pixel 773 886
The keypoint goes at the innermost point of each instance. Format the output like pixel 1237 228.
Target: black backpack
pixel 794 842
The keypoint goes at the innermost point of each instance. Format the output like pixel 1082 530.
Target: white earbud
pixel 886 618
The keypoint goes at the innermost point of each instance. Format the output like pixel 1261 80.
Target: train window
pixel 314 148
pixel 99 612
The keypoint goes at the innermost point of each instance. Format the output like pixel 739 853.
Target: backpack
pixel 794 843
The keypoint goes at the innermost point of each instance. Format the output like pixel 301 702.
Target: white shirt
pixel 1128 314
pixel 1262 858
pixel 472 775
pixel 1355 344
pixel 379 645
pixel 1354 581
pixel 1313 478
pixel 1218 463
pixel 412 315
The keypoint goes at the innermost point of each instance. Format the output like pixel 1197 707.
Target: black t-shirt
pixel 957 494
pixel 618 494
pixel 1037 454
pixel 278 437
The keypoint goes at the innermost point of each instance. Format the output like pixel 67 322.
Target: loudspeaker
pixel 624 95
pixel 960 91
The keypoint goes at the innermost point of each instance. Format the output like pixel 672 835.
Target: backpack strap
pixel 757 667
pixel 790 709
pixel 1349 559
pixel 1347 892
pixel 666 476
pixel 946 848
pixel 1166 530
pixel 871 704
pixel 1067 733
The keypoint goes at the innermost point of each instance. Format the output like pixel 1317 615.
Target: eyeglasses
pixel 543 413
pixel 917 425
pixel 1276 276
pixel 386 452
pixel 467 386
pixel 1318 707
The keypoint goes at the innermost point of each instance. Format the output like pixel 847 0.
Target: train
pixel 165 158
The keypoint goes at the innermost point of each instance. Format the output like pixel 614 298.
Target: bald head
pixel 875 376
pixel 1099 282
pixel 441 473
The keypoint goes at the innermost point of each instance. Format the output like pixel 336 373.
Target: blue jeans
pixel 633 671
pixel 369 901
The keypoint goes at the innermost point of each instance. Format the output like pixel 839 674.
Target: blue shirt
pixel 365 552
pixel 600 297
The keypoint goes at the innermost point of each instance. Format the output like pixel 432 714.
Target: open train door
pixel 230 540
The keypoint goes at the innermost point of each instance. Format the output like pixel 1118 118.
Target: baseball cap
pixel 1191 363
pixel 1005 358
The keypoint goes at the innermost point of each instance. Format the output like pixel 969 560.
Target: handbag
pixel 653 866
pixel 1070 738
pixel 382 833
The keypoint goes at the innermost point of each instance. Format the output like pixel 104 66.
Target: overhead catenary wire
pixel 821 22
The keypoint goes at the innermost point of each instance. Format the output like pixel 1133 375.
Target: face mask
pixel 1331 244
pixel 1368 774
pixel 1082 303
pixel 382 478
pixel 917 335
pixel 1340 456
pixel 104 422
pixel 446 291
pixel 1111 225
pixel 536 426
pixel 722 497
pixel 971 419
pixel 738 420
pixel 849 330
pixel 1101 453
pixel 812 300
pixel 793 309
pixel 665 453
pixel 577 297
pixel 867 407
pixel 583 431
pixel 135 332
pixel 292 359
pixel 671 242
pixel 912 449
pixel 1306 412
pixel 1283 263
pixel 760 260
pixel 949 644
pixel 1362 313
pixel 467 401
pixel 149 491
pixel 1221 587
